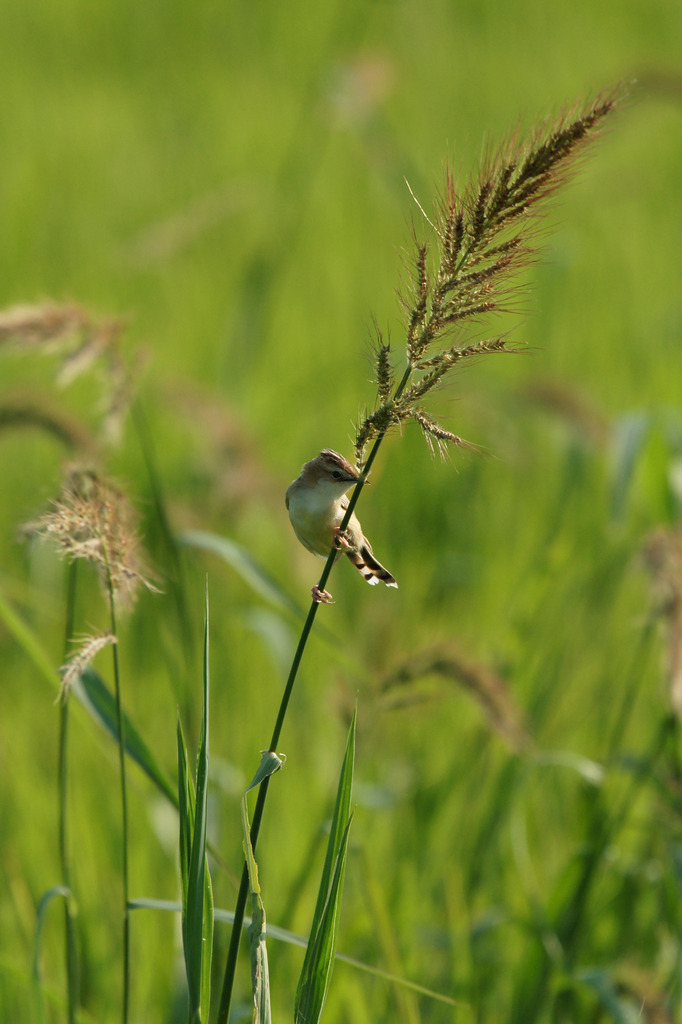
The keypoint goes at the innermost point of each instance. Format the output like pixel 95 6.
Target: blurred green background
pixel 230 178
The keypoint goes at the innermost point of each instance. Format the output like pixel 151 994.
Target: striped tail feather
pixel 369 568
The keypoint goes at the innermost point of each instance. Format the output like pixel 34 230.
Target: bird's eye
pixel 336 474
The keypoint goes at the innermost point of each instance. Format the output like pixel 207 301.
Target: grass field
pixel 230 180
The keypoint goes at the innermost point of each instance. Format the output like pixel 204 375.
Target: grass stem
pixel 63 783
pixel 124 806
pixel 482 230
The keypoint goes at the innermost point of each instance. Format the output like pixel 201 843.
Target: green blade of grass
pixel 338 825
pixel 98 700
pixel 186 812
pixel 263 584
pixel 589 770
pixel 629 437
pixel 95 697
pixel 618 1009
pixel 207 942
pixel 244 564
pixel 273 931
pixel 41 912
pixel 28 641
pixel 260 975
pixel 197 929
pixel 318 963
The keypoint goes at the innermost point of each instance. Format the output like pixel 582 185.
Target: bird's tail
pixel 369 568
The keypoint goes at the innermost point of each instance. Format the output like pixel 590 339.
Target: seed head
pixel 93 520
pixel 484 235
pixel 78 662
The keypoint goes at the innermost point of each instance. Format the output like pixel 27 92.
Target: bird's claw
pixel 321 596
pixel 341 538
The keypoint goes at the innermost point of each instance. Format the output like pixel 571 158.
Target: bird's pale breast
pixel 314 519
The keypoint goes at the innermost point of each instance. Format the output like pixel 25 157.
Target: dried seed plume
pixel 486 687
pixel 80 342
pixel 80 660
pixel 93 520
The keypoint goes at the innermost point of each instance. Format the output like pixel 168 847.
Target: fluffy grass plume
pixel 93 520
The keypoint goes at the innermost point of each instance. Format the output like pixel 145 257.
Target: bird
pixel 317 503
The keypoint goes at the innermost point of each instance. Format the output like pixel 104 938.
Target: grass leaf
pixel 98 700
pixel 319 959
pixel 273 931
pixel 197 917
pixel 318 964
pixel 41 912
pixel 260 975
pixel 186 811
pixel 95 697
pixel 244 564
pixel 629 438
pixel 591 771
pixel 607 990
pixel 28 641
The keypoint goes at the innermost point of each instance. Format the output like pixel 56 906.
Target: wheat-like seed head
pixel 80 660
pixel 92 519
pixel 80 342
pixel 485 234
pixel 486 686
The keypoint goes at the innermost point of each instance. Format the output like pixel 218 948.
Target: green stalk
pixel 231 964
pixel 483 219
pixel 124 805
pixel 63 780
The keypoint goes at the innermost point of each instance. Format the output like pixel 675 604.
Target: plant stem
pixel 63 778
pixel 124 806
pixel 240 907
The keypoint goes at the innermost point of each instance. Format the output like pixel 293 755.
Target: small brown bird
pixel 317 502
